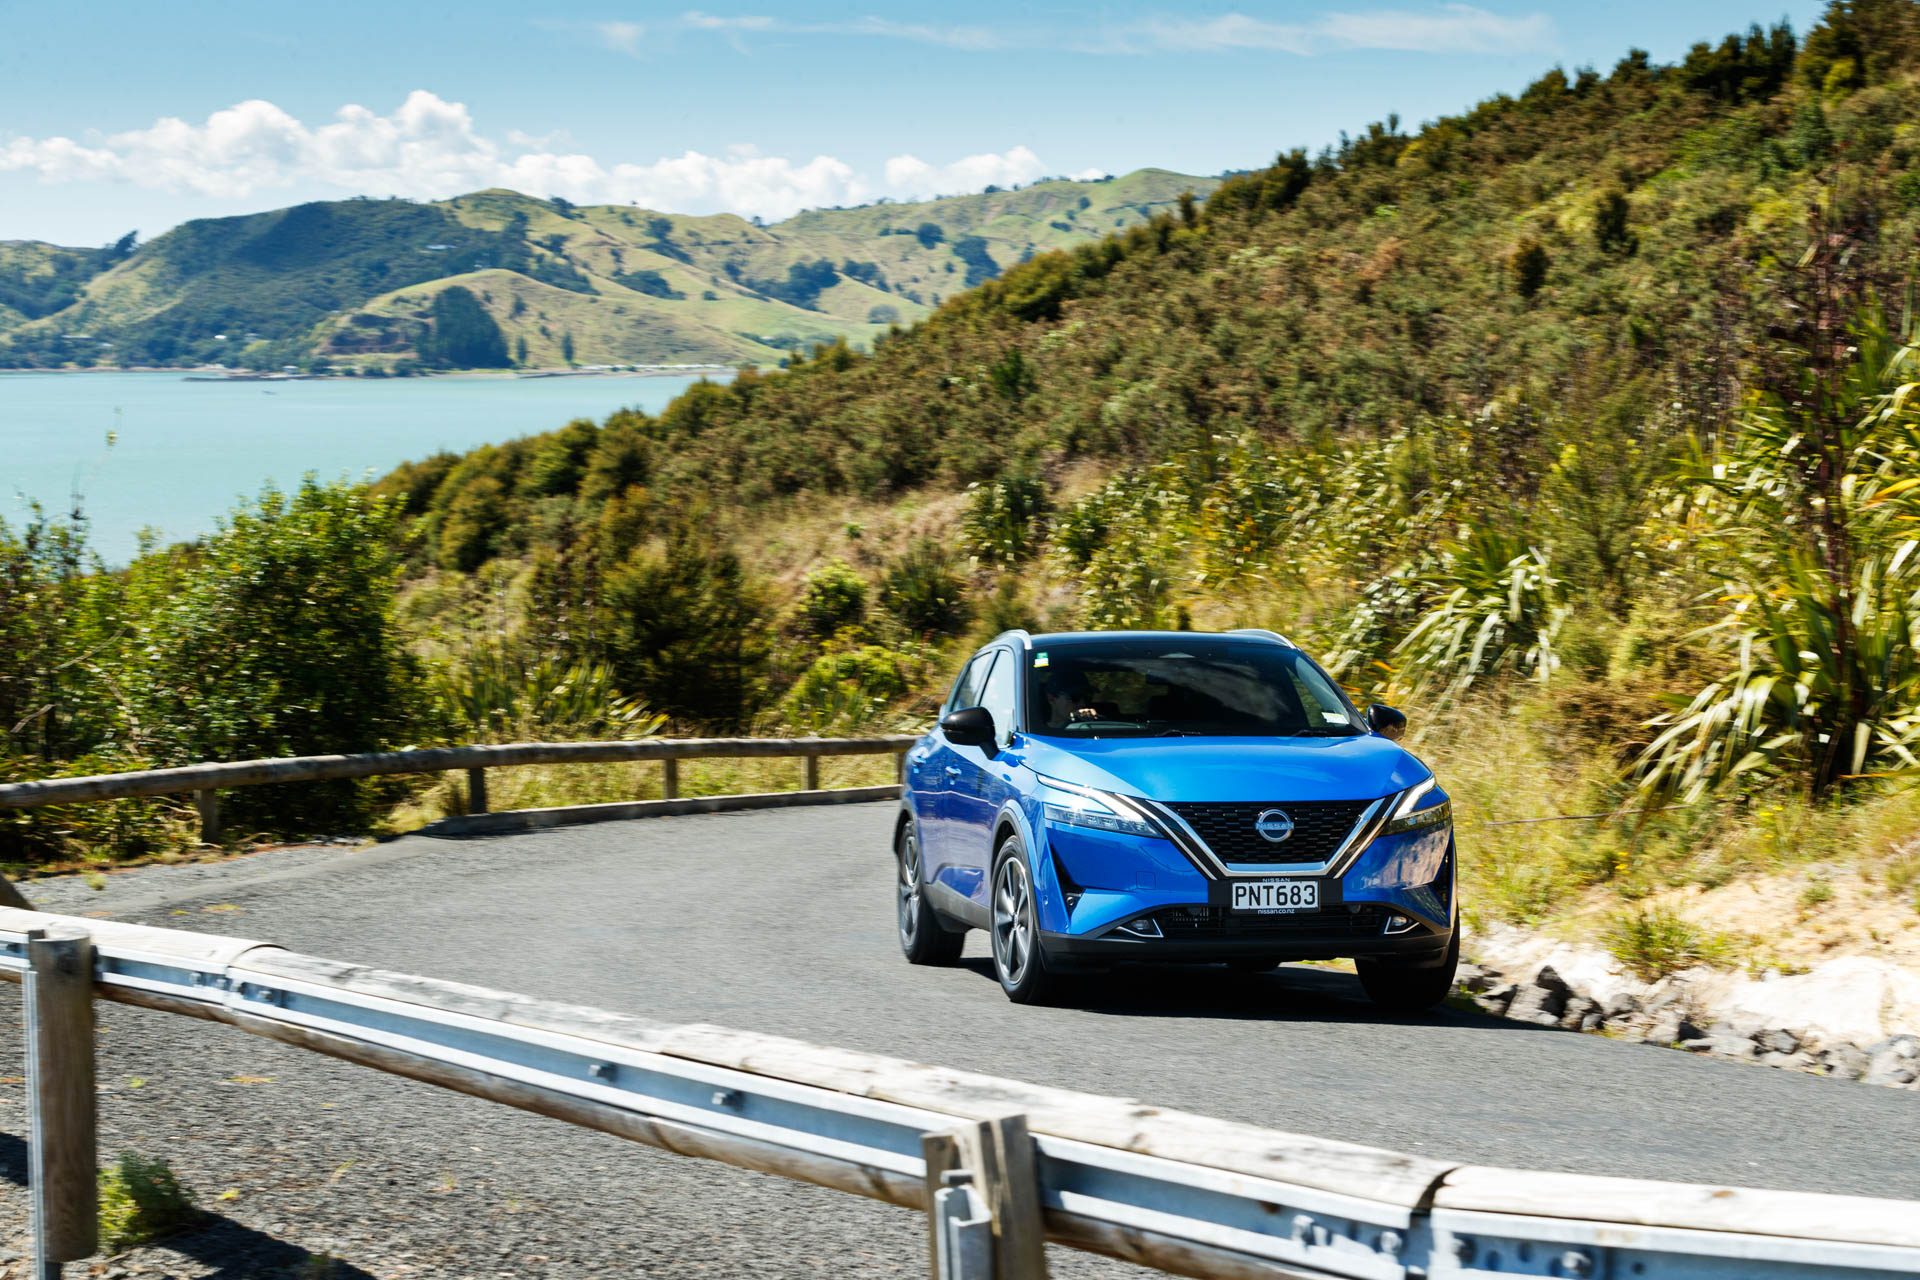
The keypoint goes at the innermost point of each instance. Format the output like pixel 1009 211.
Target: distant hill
pixel 353 283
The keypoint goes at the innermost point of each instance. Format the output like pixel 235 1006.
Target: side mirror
pixel 1387 722
pixel 972 727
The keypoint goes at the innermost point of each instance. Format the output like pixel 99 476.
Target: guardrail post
pixel 12 897
pixel 900 767
pixel 811 779
pixel 983 1194
pixel 208 803
pixel 62 1177
pixel 476 791
pixel 670 778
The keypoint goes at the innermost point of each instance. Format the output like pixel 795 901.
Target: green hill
pixel 352 283
pixel 1571 423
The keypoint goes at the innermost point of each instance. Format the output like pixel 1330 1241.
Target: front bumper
pixel 1110 898
pixel 1306 939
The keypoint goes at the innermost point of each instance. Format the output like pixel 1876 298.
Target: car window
pixel 997 698
pixel 966 690
pixel 1189 687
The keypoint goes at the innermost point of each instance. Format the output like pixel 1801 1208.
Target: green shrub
pixel 688 631
pixel 276 639
pixel 114 828
pixel 1653 941
pixel 1501 611
pixel 141 1201
pixel 833 598
pixel 925 591
pixel 495 694
pixel 1006 519
pixel 849 690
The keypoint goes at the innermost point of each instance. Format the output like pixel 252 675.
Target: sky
pixel 137 116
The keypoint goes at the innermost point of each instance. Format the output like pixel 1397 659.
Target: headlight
pixel 1096 811
pixel 1406 818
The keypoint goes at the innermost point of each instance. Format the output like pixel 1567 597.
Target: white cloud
pixel 1228 31
pixel 1453 28
pixel 429 148
pixel 912 176
pixel 621 37
pixel 1447 28
pixel 956 37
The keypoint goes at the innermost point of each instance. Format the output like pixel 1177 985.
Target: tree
pixel 462 334
pixel 1527 264
pixel 566 347
pixel 276 638
pixel 1610 231
pixel 687 631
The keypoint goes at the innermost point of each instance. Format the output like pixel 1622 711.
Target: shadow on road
pixel 234 1251
pixel 1291 993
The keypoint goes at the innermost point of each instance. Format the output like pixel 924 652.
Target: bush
pixel 688 631
pixel 833 598
pixel 141 1201
pixel 843 692
pixel 497 695
pixel 925 592
pixel 124 828
pixel 1006 519
pixel 1502 610
pixel 1653 941
pixel 276 639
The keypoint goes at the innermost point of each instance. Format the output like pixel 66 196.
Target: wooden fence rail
pixel 204 781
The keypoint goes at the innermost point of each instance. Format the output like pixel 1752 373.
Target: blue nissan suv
pixel 1093 798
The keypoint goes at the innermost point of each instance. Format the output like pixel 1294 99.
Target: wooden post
pixel 476 791
pixel 208 803
pixel 12 897
pixel 998 1154
pixel 670 778
pixel 900 767
pixel 62 1177
pixel 811 778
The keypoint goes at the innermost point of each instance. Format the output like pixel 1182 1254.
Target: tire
pixel 924 936
pixel 1018 960
pixel 1398 987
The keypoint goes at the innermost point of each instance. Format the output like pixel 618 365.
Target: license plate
pixel 1269 897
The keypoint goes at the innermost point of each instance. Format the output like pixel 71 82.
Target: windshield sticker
pixel 1335 717
pixel 1039 660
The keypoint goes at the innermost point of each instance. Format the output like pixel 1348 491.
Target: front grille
pixel 1319 828
pixel 1218 922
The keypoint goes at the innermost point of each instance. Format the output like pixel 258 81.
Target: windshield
pixel 1204 686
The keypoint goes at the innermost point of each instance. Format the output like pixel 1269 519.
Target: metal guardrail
pixel 999 1166
pixel 204 781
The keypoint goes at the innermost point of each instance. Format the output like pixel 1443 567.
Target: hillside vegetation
pixel 1579 425
pixel 351 285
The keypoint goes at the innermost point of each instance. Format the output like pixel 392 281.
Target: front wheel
pixel 1398 987
pixel 924 937
pixel 1018 960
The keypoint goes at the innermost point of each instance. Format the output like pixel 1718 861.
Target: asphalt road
pixel 782 922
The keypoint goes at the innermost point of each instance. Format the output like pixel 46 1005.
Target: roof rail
pixel 1014 633
pixel 1263 631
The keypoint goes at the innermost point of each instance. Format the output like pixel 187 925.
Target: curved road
pixel 782 922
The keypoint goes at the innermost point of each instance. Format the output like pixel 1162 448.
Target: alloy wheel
pixel 1012 921
pixel 909 887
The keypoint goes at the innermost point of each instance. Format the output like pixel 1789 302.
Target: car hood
pixel 1223 769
